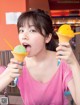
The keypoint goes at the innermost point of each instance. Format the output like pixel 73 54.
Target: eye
pixel 32 30
pixel 21 30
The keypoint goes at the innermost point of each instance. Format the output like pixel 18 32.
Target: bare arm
pixel 12 71
pixel 5 79
pixel 74 85
pixel 65 52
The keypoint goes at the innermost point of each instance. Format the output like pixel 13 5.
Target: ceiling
pixel 65 11
pixel 64 4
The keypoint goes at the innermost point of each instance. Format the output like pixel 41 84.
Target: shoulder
pixel 65 65
pixel 52 56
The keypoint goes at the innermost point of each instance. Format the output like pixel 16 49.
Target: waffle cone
pixel 64 39
pixel 18 56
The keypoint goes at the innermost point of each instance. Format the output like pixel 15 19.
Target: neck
pixel 41 56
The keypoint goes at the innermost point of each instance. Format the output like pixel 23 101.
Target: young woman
pixel 42 81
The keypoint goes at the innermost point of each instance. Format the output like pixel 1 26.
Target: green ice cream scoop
pixel 19 49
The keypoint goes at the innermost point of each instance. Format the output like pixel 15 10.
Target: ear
pixel 48 38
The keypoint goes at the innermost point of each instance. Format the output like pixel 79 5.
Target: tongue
pixel 28 48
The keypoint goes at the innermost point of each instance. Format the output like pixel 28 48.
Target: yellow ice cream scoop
pixel 65 33
pixel 19 53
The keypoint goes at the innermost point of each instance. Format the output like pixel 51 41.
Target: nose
pixel 25 37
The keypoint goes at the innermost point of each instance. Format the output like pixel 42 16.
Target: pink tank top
pixel 50 93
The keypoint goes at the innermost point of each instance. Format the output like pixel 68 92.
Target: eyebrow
pixel 31 25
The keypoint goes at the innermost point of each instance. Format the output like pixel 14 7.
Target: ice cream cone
pixel 19 56
pixel 65 30
pixel 19 53
pixel 64 39
pixel 65 33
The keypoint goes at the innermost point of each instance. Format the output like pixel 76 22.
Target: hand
pixel 64 51
pixel 14 68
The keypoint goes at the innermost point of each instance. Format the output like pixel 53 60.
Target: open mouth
pixel 27 47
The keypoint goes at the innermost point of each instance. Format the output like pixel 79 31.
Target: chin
pixel 30 55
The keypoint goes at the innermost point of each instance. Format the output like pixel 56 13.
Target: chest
pixel 44 72
pixel 46 94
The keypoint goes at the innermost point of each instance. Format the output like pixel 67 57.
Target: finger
pixel 60 53
pixel 62 57
pixel 65 43
pixel 14 66
pixel 18 71
pixel 12 60
pixel 62 48
pixel 15 71
pixel 14 75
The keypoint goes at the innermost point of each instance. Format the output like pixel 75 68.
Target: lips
pixel 27 47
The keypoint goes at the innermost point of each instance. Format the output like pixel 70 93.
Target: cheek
pixel 38 44
pixel 20 38
pixel 38 41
